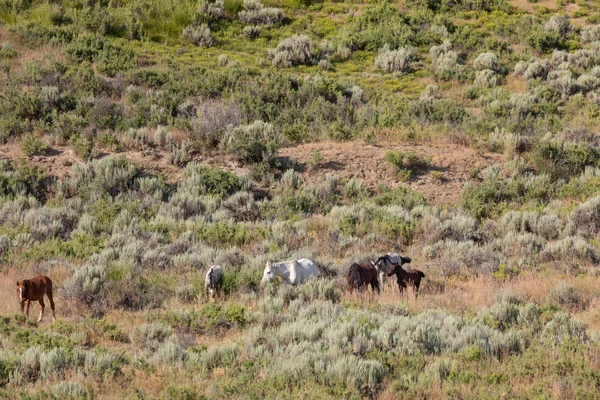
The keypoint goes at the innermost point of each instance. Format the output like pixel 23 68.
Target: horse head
pixel 268 274
pixel 22 290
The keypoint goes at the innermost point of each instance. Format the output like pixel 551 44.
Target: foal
pixel 412 277
pixel 34 290
pixel 362 275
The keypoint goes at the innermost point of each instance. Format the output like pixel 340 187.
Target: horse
pixel 412 277
pixel 294 272
pixel 385 264
pixel 213 280
pixel 362 275
pixel 34 289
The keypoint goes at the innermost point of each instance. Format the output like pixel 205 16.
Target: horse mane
pixel 386 257
pixel 210 276
pixel 354 278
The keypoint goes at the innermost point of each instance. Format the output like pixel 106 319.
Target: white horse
pixel 293 272
pixel 213 280
pixel 386 264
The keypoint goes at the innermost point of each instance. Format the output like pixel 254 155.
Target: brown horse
pixel 412 277
pixel 34 289
pixel 362 275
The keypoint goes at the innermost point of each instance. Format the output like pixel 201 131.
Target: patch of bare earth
pixel 451 165
pixel 441 183
pixel 58 161
pixel 531 7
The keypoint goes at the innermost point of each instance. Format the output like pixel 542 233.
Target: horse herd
pixel 360 276
pixel 296 272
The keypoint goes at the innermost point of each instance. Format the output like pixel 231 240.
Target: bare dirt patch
pixel 451 162
pixel 59 160
pixel 531 7
pixel 442 183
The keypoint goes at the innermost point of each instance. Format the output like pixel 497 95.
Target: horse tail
pixel 421 274
pixel 354 278
pixel 405 260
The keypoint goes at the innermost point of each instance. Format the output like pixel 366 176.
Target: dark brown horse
pixel 362 275
pixel 34 289
pixel 412 278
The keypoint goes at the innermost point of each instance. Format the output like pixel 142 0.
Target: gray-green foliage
pixel 292 51
pixel 211 11
pixel 252 32
pixel 585 219
pixel 486 61
pixel 486 78
pixel 150 336
pixel 399 61
pixel 255 13
pixel 446 63
pixel 199 35
pixel 69 390
pixel 558 24
pixel 253 143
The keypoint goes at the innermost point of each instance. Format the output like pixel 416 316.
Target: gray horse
pixel 386 264
pixel 213 280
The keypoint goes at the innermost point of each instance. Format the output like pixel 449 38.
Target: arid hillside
pixel 293 143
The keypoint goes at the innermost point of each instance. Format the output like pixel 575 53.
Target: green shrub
pixel 221 234
pixel 377 26
pixel 395 158
pixel 83 147
pixel 200 180
pixel 400 196
pixel 253 143
pixel 561 159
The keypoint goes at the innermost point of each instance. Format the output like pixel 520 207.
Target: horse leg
pixel 417 290
pixel 22 304
pixel 51 299
pixel 401 287
pixel 27 309
pixel 42 310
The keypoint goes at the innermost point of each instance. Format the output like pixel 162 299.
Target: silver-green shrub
pixel 486 61
pixel 69 390
pixel 150 336
pixel 292 51
pixel 585 218
pixel 486 78
pixel 252 32
pixel 199 35
pixel 255 13
pixel 399 61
